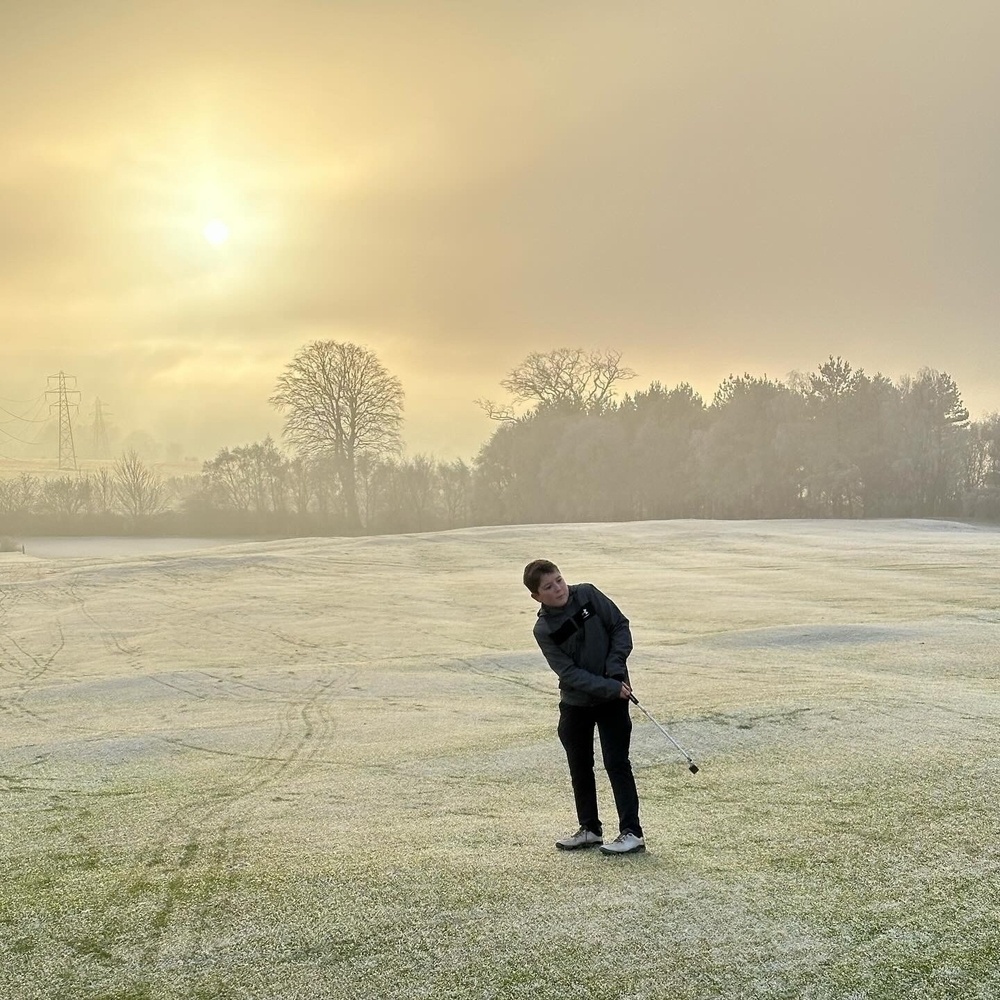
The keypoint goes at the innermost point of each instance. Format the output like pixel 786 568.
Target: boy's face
pixel 553 590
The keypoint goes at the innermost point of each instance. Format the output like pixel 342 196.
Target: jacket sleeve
pixel 619 633
pixel 570 675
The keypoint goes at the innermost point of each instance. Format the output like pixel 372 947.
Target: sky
pixel 708 188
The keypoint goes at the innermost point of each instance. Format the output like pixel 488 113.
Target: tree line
pixel 836 443
pixel 568 446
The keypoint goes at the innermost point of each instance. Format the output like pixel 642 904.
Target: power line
pixel 17 416
pixel 19 402
pixel 33 419
pixel 14 437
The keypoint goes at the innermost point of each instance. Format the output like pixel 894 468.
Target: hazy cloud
pixel 708 188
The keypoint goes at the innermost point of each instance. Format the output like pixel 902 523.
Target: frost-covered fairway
pixel 328 768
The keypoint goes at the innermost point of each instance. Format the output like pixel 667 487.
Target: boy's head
pixel 545 582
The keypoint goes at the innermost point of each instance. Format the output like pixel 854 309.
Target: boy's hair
pixel 534 572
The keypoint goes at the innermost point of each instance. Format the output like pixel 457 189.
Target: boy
pixel 586 641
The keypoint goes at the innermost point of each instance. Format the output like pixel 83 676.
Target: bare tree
pixel 301 485
pixel 21 495
pixel 138 490
pixel 251 478
pixel 339 401
pixel 584 380
pixel 66 496
pixel 102 491
pixel 456 492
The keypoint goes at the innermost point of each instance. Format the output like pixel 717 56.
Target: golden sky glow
pixel 709 188
pixel 216 232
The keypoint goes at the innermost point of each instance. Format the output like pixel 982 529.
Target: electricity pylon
pixel 102 448
pixel 63 391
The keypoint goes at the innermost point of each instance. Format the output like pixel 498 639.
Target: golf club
pixel 692 766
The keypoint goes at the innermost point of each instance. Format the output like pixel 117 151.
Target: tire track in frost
pixel 39 663
pixel 10 699
pixel 304 727
pixel 9 599
pixel 202 615
pixel 187 878
pixel 26 665
pixel 184 617
pixel 111 640
pixel 180 627
pixel 499 674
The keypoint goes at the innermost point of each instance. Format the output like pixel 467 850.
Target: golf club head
pixel 693 768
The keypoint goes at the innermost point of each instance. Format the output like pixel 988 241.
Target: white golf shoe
pixel 625 843
pixel 582 838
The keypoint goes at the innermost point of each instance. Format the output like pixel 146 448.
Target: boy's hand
pixel 626 692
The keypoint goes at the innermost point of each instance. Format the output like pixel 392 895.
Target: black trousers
pixel 576 733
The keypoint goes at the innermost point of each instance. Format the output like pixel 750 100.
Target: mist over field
pixel 711 189
pixel 328 768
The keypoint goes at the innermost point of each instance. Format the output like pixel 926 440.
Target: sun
pixel 216 232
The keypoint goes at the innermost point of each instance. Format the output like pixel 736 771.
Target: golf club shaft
pixel 681 749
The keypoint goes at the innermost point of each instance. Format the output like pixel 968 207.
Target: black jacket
pixel 586 642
